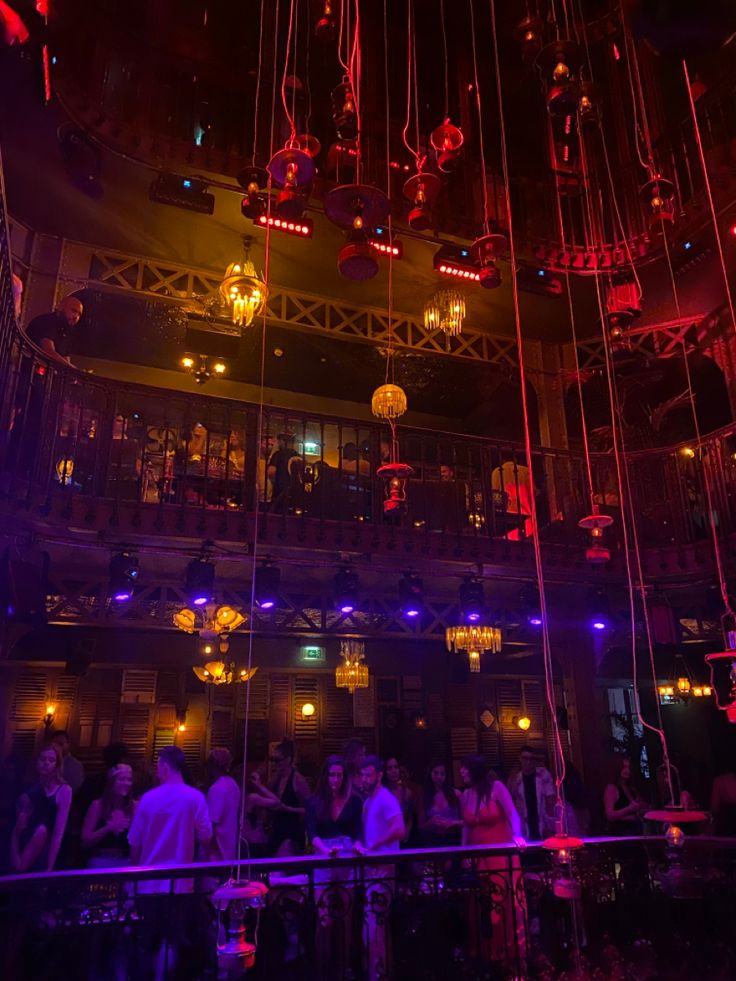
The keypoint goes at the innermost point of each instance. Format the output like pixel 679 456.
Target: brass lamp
pixel 352 673
pixel 473 640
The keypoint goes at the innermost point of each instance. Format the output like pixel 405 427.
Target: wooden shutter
pixel 139 687
pixel 30 696
pixel 280 709
pixel 306 689
pixel 338 719
pixel 135 731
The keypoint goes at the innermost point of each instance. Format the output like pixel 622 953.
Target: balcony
pixel 626 905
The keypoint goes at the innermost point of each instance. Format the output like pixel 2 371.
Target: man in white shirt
pixel 533 792
pixel 223 803
pixel 383 829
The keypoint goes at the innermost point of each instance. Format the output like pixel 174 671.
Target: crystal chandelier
pixel 352 673
pixel 243 290
pixel 389 402
pixel 445 311
pixel 220 673
pixel 474 640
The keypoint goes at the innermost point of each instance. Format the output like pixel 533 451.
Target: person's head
pixel 620 770
pixel 438 781
pixel 350 451
pixel 392 771
pixel 476 773
pixel 528 760
pixel 219 762
pixel 333 779
pixel 353 753
pixel 371 771
pixel 113 754
pixel 50 764
pixel 170 765
pixel 446 472
pixel 286 441
pixel 61 739
pixel 71 309
pixel 282 756
pixel 118 788
pixel 120 427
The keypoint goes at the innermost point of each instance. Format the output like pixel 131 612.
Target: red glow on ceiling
pixel 732 230
pixel 303 227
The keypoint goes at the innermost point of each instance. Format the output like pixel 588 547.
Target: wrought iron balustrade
pixel 427 914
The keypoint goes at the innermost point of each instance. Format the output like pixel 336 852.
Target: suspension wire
pixel 284 100
pixel 709 190
pixel 390 368
pixel 355 82
pixel 275 73
pixel 258 83
pixel 307 74
pixel 447 67
pixel 409 55
pixel 344 25
pixel 414 78
pixel 637 100
pixel 481 142
pixel 295 63
pixel 558 759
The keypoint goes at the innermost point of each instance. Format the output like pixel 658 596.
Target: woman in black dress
pixel 622 802
pixel 334 816
pixel 106 824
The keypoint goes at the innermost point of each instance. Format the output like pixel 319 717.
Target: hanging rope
pixel 484 174
pixel 284 75
pixel 446 61
pixel 258 85
pixel 390 369
pixel 558 759
pixel 414 151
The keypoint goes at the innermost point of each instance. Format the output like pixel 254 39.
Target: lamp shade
pixel 389 402
pixel 185 620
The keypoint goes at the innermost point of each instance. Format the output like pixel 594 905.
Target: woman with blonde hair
pixel 50 800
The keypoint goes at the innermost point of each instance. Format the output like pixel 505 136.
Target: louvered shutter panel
pixel 338 721
pixel 23 744
pixel 413 696
pixel 65 700
pixel 168 687
pixel 191 744
pixel 306 689
pixel 435 711
pixel 460 706
pixel 30 696
pixel 259 686
pixel 222 729
pixel 280 714
pixel 135 726
pixel 139 687
pixel 162 736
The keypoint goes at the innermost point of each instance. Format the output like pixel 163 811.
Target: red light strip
pixel 449 270
pixel 303 228
pixel 386 249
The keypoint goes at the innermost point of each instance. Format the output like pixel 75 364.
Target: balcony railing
pixel 428 914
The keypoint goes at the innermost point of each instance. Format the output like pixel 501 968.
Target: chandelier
pixel 214 624
pixel 220 673
pixel 388 402
pixel 352 673
pixel 681 688
pixel 243 290
pixel 474 640
pixel 445 311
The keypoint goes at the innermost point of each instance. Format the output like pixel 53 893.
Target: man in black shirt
pixel 278 469
pixel 51 331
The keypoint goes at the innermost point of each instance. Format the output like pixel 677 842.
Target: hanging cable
pixel 390 371
pixel 410 56
pixel 355 83
pixel 484 174
pixel 275 77
pixel 284 100
pixel 446 65
pixel 558 759
pixel 258 85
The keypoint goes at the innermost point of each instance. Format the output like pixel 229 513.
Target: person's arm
pixel 135 834
pixel 610 796
pixel 63 803
pixel 502 797
pixel 90 836
pixel 202 823
pixel 395 829
pixel 49 348
pixel 301 788
pixel 21 859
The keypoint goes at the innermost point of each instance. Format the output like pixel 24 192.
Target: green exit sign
pixel 313 653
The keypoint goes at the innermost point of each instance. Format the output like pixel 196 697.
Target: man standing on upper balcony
pixel 52 331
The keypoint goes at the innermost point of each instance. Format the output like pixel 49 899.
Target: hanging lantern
pixel 291 168
pixel 722 666
pixel 394 476
pixel 589 105
pixel 485 251
pixel 237 954
pixel 352 673
pixel 623 307
pixel 421 190
pixel 658 196
pixel 325 29
pixel 389 402
pixel 676 878
pixel 560 63
pixel 344 114
pixel 563 847
pixel 243 290
pixel 474 640
pixel 357 208
pixel 253 180
pixel 445 311
pixel 596 553
pixel 529 32
pixel 447 141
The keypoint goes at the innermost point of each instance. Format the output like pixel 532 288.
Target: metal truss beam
pixel 661 340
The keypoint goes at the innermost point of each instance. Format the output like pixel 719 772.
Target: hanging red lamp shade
pixel 238 953
pixel 596 553
pixel 421 190
pixel 344 114
pixel 485 251
pixel 564 885
pixel 326 29
pixel 359 208
pixel 395 476
pixel 658 197
pixel 291 168
pixel 447 141
pixel 560 63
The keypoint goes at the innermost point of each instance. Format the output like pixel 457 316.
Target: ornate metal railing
pixel 428 914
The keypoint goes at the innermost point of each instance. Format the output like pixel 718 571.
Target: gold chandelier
pixel 474 640
pixel 220 673
pixel 389 402
pixel 352 673
pixel 445 311
pixel 243 290
pixel 217 623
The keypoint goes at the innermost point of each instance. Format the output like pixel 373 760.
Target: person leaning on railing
pixel 52 331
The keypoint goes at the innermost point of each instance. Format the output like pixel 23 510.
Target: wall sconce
pixel 181 720
pixel 48 719
pixel 308 710
pixel 523 722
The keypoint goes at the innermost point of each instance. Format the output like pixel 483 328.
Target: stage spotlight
pixel 123 576
pixel 200 582
pixel 411 595
pixel 599 611
pixel 530 605
pixel 472 601
pixel 268 580
pixel 346 591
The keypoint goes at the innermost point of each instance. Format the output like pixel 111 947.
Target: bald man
pixel 51 331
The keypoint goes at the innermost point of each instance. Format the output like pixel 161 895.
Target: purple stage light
pixel 346 608
pixel 267 605
pixel 122 596
pixel 535 621
pixel 598 625
pixel 199 600
pixel 412 613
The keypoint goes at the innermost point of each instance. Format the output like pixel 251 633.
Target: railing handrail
pixel 303 863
